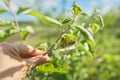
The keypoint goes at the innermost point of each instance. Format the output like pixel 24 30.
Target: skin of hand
pixel 17 59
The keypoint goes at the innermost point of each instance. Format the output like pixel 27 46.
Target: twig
pixel 60 36
pixel 49 50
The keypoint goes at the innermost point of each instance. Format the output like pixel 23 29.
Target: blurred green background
pixel 106 63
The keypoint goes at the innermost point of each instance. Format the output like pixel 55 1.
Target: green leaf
pixel 11 31
pixel 22 9
pixel 85 49
pixel 6 23
pixel 86 33
pixel 90 45
pixel 50 68
pixel 77 10
pixel 66 20
pixel 7 33
pixel 2 34
pixel 101 20
pixel 43 18
pixel 25 32
pixel 2 11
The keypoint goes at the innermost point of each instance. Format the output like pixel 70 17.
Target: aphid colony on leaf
pixel 67 40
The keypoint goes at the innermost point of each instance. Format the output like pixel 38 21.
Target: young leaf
pixel 43 18
pixel 22 9
pixel 77 10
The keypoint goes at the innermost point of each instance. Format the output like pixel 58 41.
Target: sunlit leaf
pixel 24 34
pixel 76 8
pixel 50 68
pixel 43 18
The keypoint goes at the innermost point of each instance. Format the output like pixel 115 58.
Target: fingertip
pixel 47 59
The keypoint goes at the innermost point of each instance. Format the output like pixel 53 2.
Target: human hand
pixel 17 60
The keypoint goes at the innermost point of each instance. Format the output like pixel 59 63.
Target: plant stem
pixel 49 50
pixel 60 36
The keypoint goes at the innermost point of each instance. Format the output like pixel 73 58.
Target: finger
pixel 27 51
pixel 43 59
pixel 34 61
